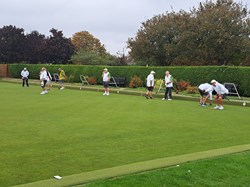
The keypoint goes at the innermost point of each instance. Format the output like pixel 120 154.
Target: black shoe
pixel 151 98
pixel 146 96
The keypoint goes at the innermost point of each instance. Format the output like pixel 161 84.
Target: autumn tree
pixel 89 50
pixel 12 42
pixel 87 42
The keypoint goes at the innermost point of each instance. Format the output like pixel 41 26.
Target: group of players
pixel 45 78
pixel 206 90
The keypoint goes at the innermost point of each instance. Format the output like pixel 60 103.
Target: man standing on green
pixel 169 79
pixel 150 85
pixel 106 78
pixel 61 78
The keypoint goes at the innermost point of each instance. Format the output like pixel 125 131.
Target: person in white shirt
pixel 106 78
pixel 169 80
pixel 25 77
pixel 206 91
pixel 221 93
pixel 43 79
pixel 150 85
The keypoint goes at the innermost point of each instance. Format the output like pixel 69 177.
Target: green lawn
pixel 69 132
pixel 226 171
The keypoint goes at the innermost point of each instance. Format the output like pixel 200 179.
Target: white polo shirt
pixel 150 78
pixel 25 73
pixel 43 75
pixel 220 89
pixel 208 88
pixel 168 80
pixel 106 77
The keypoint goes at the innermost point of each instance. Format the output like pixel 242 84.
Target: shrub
pixel 92 80
pixel 70 78
pixel 192 90
pixel 135 82
pixel 182 85
pixel 158 83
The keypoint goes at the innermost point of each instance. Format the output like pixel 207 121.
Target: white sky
pixel 111 21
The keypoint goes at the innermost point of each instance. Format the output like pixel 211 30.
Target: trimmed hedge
pixel 193 74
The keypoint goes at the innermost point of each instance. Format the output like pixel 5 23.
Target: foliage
pixel 70 78
pixel 195 75
pixel 34 48
pixel 92 58
pixel 12 44
pixel 192 90
pixel 215 33
pixel 58 48
pixel 87 42
pixel 92 80
pixel 182 85
pixel 135 82
pixel 158 83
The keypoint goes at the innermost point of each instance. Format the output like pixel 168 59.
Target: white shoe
pixel 61 88
pixel 104 93
pixel 163 99
pixel 46 91
pixel 221 108
pixel 107 93
pixel 216 107
pixel 169 99
pixel 42 93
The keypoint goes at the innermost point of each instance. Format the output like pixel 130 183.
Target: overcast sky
pixel 111 21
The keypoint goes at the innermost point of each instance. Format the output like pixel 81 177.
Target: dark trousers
pixel 168 93
pixel 25 80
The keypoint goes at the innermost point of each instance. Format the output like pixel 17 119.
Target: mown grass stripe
pixel 135 167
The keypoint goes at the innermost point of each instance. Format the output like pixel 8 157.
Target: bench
pixel 117 81
pixel 55 77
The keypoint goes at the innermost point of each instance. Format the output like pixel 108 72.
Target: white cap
pixel 213 81
pixel 152 72
pixel 25 68
pixel 105 69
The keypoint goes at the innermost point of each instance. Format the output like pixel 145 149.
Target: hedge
pixel 193 74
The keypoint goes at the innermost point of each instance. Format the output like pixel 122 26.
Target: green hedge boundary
pixel 193 74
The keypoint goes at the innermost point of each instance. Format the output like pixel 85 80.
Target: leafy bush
pixel 192 90
pixel 135 82
pixel 158 83
pixel 92 80
pixel 92 58
pixel 182 85
pixel 70 78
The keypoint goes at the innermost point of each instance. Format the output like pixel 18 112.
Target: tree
pixel 84 40
pixel 12 42
pixel 89 50
pixel 35 47
pixel 58 48
pixel 85 57
pixel 156 42
pixel 215 33
pixel 222 32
